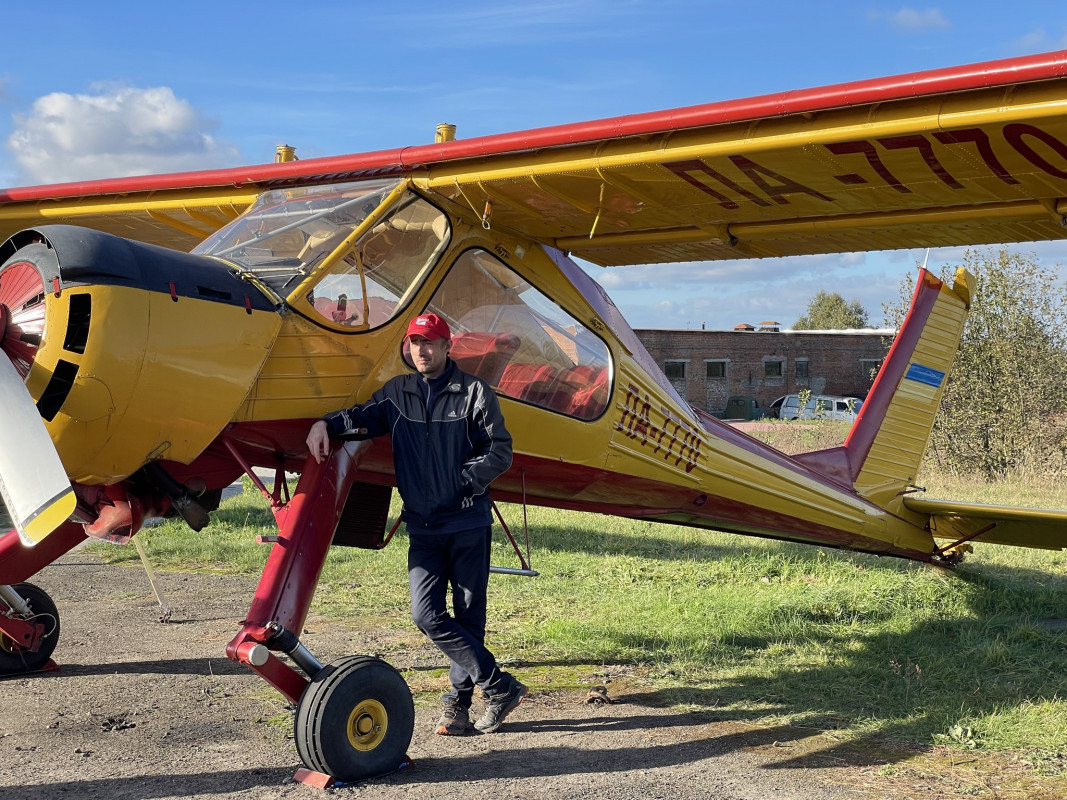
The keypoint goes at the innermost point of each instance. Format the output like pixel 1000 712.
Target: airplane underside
pixel 116 512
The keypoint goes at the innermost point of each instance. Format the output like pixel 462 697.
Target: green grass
pixel 743 629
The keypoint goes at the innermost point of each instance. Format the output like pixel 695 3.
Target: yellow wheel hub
pixel 367 725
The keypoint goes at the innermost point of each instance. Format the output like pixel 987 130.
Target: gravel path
pixel 145 710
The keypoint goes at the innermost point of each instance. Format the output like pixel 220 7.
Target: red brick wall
pixel 833 362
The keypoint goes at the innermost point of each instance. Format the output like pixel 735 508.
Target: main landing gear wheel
pixel 355 719
pixel 13 657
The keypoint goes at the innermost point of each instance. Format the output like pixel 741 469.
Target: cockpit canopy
pixel 313 246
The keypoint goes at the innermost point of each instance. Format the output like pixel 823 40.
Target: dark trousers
pixel 459 560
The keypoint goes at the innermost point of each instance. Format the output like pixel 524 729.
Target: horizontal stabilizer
pixel 1022 527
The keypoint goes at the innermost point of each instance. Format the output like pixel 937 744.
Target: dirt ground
pixel 145 710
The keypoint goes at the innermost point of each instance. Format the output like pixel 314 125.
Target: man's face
pixel 430 355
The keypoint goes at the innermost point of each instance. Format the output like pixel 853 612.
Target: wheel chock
pixel 50 666
pixel 318 780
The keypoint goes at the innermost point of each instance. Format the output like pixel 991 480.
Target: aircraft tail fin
pixel 883 451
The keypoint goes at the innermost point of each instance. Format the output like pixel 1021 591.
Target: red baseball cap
pixel 429 326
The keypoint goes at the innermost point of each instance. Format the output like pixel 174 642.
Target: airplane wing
pixel 1023 527
pixel 179 217
pixel 966 155
pixel 969 156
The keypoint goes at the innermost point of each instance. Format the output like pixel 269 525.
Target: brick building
pixel 707 367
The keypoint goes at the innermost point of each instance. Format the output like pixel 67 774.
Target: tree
pixel 828 312
pixel 1003 406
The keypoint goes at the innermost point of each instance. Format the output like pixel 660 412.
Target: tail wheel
pixel 355 719
pixel 13 657
pixel 22 313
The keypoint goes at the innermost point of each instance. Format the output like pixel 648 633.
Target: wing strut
pixel 950 555
pixel 524 560
pixel 525 571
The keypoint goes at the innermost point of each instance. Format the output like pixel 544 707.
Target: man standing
pixel 449 443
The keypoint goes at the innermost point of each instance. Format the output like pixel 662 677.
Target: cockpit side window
pixel 515 338
pixel 371 281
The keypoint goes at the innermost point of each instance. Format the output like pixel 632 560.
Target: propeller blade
pixel 35 487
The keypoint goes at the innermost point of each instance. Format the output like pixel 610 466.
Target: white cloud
pixel 911 19
pixel 116 131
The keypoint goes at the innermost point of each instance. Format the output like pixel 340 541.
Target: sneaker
pixel 455 721
pixel 498 708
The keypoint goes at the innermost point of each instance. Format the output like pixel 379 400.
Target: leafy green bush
pixel 1004 404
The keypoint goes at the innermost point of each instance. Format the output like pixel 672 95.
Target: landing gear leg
pixel 355 717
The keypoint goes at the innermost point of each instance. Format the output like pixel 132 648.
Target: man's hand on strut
pixel 318 441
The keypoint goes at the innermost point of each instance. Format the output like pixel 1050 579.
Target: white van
pixel 820 406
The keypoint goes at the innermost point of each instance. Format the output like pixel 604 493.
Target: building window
pixel 674 370
pixel 869 367
pixel 772 369
pixel 716 369
pixel 802 369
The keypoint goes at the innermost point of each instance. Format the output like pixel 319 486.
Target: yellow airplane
pixel 165 334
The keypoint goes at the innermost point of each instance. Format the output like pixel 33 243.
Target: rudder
pixel 889 437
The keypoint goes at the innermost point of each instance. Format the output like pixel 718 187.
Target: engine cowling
pixel 132 352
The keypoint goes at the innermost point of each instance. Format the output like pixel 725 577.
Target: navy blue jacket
pixel 445 462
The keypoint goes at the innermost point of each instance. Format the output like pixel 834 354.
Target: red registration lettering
pixel 781 185
pixel 980 139
pixel 926 150
pixel 687 170
pixel 866 149
pixel 1016 134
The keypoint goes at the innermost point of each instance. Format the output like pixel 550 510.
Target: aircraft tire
pixel 13 658
pixel 355 719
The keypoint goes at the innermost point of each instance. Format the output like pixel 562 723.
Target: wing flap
pixel 1022 527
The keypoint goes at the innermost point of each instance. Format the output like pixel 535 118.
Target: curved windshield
pixel 287 232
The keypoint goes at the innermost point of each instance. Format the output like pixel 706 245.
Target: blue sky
pixel 119 88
